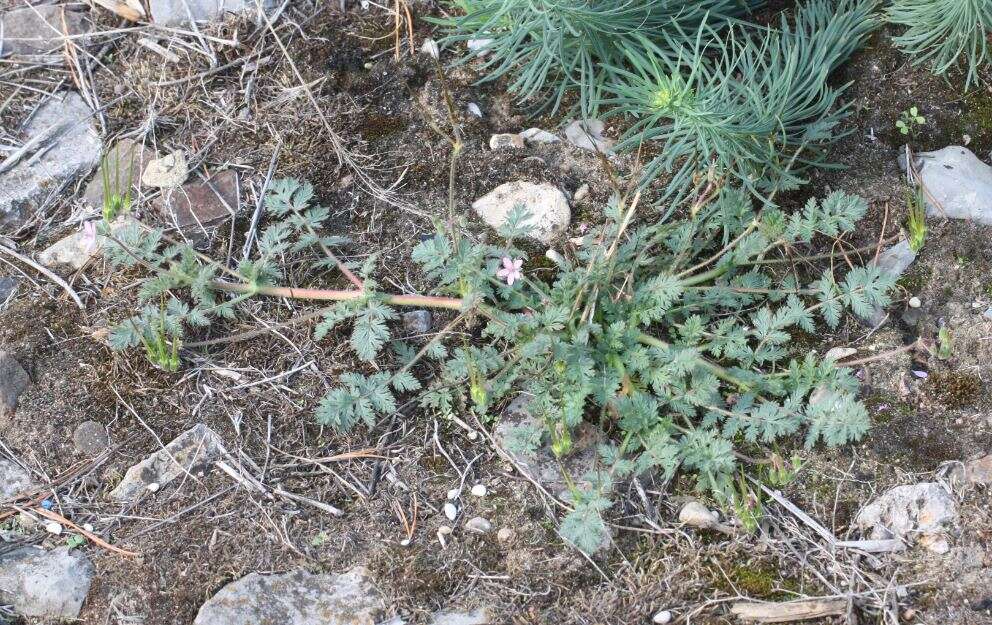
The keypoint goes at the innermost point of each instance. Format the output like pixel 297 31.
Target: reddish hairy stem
pixel 336 295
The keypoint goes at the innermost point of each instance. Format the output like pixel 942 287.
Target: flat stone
pixel 8 285
pixel 958 180
pixel 14 380
pixel 910 512
pixel 541 465
pixel 538 135
pixel 418 321
pixel 550 213
pixel 14 480
pixel 188 451
pixel 198 204
pixel 39 29
pixel 893 261
pixel 295 598
pixel 74 148
pixel 124 164
pixel 588 135
pixel 977 471
pixel 45 584
pixel 479 525
pixel 177 12
pixel 79 248
pixel 167 172
pixel 90 438
pixel 506 141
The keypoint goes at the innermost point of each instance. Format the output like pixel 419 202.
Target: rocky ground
pixel 130 495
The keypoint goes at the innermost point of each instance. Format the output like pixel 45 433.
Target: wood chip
pixel 788 612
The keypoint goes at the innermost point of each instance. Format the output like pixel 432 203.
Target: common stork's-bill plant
pixel 672 333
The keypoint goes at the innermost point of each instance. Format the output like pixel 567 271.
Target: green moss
pixel 757 580
pixel 916 279
pixel 377 126
pixel 883 408
pixel 954 390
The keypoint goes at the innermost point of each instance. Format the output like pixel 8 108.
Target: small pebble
pixel 581 193
pixel 405 542
pixel 444 530
pixel 430 48
pixel 505 534
pixel 479 525
pixel 474 109
pixel 478 45
pixel 914 302
pixel 506 141
pixel 418 321
pixel 479 490
pixel 450 511
pixel 453 493
pixel 88 527
pixel 662 617
pixel 53 528
pixel 153 487
pixel 554 257
pixel 536 135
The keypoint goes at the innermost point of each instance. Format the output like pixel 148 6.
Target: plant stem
pixel 449 303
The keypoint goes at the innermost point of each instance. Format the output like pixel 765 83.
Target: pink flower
pixel 510 271
pixel 583 227
pixel 89 235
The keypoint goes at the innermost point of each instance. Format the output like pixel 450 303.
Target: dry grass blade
pixel 788 612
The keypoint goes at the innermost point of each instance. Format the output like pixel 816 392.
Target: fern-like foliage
pixel 945 34
pixel 755 106
pixel 552 48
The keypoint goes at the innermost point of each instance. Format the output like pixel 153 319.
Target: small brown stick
pixel 127 12
pixel 892 352
pixel 788 612
pixel 45 272
pixel 58 518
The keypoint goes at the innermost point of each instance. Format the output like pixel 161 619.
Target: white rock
pixel 839 353
pixel 50 585
pixel 662 617
pixel 506 141
pixel 914 302
pixel 71 147
pixel 696 514
pixel 79 248
pixel 958 181
pixel 53 528
pixel 910 511
pixel 430 48
pixel 444 530
pixel 474 109
pixel 581 193
pixel 478 525
pixel 153 487
pixel 538 135
pixel 505 534
pixel 167 172
pixel 588 135
pixel 450 511
pixel 453 493
pixel 550 213
pixel 88 527
pixel 453 617
pixel 296 598
pixel 478 46
pixel 479 490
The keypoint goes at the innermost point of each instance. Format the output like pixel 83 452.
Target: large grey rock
pixel 185 454
pixel 39 29
pixel 588 135
pixel 958 181
pixel 922 512
pixel 14 480
pixel 295 598
pixel 45 584
pixel 177 12
pixel 977 471
pixel 14 380
pixel 893 261
pixel 71 147
pixel 8 285
pixel 550 213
